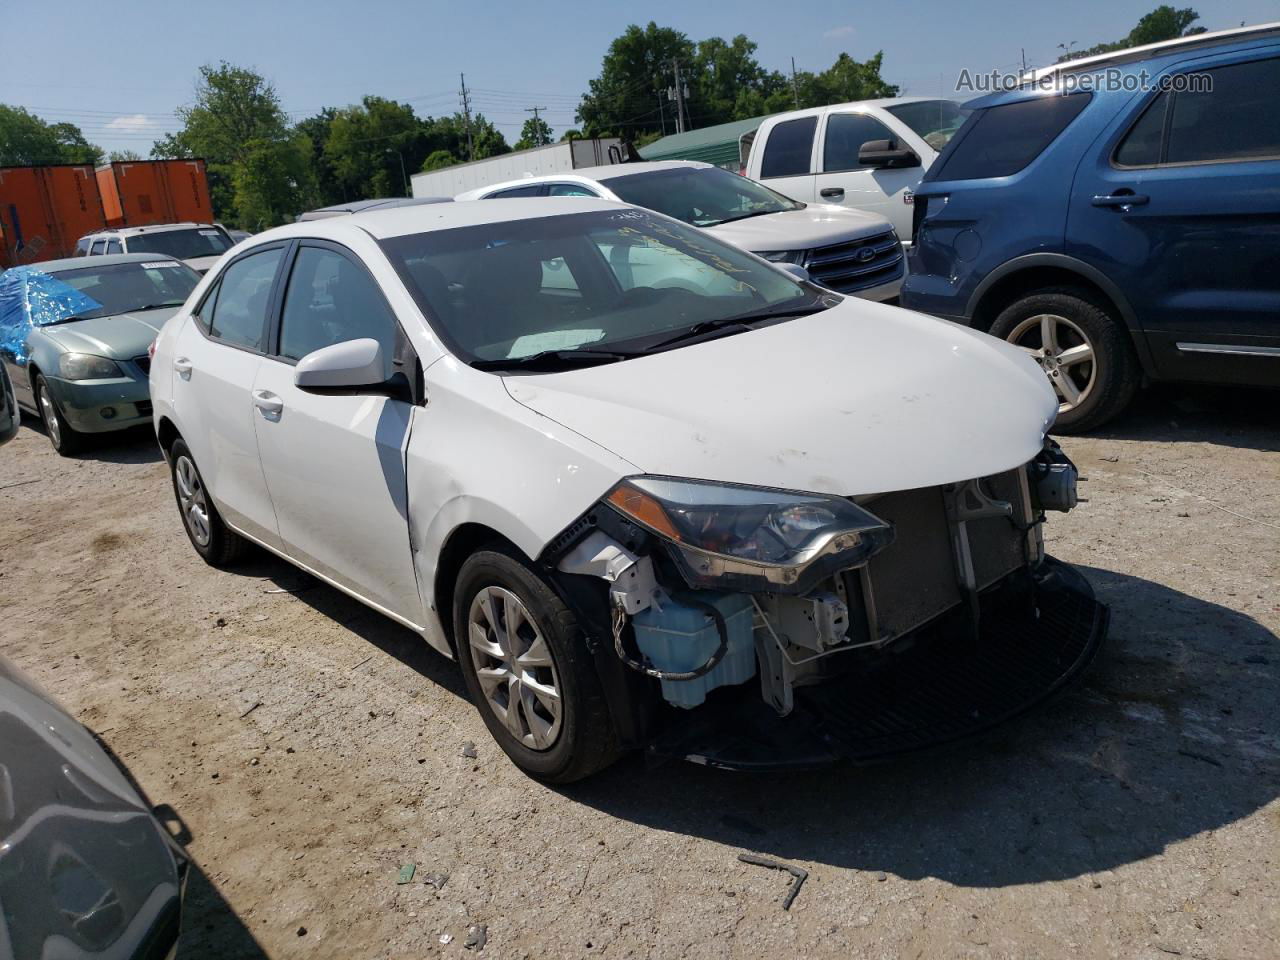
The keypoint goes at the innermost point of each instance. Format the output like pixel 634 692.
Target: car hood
pixel 120 337
pixel 859 399
pixel 817 225
pixel 201 265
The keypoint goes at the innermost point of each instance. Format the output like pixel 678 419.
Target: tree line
pixel 264 169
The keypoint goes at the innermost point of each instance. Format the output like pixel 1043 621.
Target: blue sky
pixel 119 69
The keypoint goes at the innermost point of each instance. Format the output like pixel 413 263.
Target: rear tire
pixel 219 545
pixel 554 739
pixel 1089 357
pixel 65 438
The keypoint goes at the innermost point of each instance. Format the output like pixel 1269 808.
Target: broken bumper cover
pixel 1038 634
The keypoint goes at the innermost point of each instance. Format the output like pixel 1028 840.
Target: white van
pixel 868 155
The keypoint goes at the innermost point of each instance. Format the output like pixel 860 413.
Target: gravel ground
pixel 314 748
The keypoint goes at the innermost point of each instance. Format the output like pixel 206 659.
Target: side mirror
pixel 352 365
pixel 797 271
pixel 887 154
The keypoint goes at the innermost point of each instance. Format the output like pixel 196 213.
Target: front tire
pixel 219 545
pixel 65 439
pixel 527 668
pixel 1083 349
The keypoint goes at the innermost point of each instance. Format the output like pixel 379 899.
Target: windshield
pixel 125 287
pixel 183 244
pixel 701 196
pixel 935 121
pixel 623 280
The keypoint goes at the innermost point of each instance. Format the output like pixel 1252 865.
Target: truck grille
pixel 857 265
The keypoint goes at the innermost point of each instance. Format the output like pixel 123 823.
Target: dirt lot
pixel 314 748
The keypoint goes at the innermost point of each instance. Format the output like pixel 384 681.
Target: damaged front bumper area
pixel 770 629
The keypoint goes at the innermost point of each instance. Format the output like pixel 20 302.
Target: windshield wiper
pixel 61 320
pixel 726 326
pixel 745 216
pixel 156 306
pixel 549 360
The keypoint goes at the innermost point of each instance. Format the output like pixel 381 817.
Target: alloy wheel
pixel 1064 353
pixel 50 415
pixel 192 500
pixel 513 663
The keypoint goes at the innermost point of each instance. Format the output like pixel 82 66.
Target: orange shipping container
pixel 141 192
pixel 45 210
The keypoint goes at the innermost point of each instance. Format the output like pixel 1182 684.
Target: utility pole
pixel 680 91
pixel 537 130
pixel 1024 59
pixel 795 86
pixel 662 116
pixel 466 113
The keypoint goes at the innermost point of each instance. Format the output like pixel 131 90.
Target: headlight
pixel 782 256
pixel 727 536
pixel 85 366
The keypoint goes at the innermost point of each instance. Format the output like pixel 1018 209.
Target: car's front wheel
pixel 526 665
pixel 1082 348
pixel 219 545
pixel 65 438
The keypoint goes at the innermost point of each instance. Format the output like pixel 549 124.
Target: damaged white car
pixel 648 490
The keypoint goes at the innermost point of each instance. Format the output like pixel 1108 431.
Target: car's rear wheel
pixel 1082 348
pixel 65 438
pixel 526 665
pixel 219 545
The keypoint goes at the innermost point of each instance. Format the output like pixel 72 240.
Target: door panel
pixel 845 182
pixel 335 464
pixel 1197 249
pixel 211 401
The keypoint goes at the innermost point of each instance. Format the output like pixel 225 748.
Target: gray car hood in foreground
pixel 817 225
pixel 862 398
pixel 120 337
pixel 85 870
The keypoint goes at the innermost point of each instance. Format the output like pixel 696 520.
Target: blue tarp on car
pixel 29 297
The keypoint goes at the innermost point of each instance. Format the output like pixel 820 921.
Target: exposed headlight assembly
pixel 731 537
pixel 85 366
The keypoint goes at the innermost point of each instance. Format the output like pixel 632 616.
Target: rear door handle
pixel 183 366
pixel 268 403
pixel 832 193
pixel 1122 200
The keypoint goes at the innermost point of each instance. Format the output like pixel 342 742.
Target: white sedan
pixel 843 249
pixel 702 508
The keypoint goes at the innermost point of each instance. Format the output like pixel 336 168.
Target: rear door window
pixel 113 246
pixel 1141 146
pixel 788 151
pixel 99 246
pixel 239 315
pixel 846 133
pixel 1234 118
pixel 570 190
pixel 533 191
pixel 1004 139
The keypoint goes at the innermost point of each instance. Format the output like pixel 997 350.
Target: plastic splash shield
pixel 29 298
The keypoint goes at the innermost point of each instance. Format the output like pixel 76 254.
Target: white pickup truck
pixel 868 155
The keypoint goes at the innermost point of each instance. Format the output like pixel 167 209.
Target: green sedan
pixel 75 336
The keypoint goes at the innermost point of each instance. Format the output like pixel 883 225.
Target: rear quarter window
pixel 788 150
pixel 1004 139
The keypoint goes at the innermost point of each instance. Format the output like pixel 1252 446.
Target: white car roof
pixel 879 104
pixel 589 175
pixel 152 228
pixel 401 221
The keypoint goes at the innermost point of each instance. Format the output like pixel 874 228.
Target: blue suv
pixel 1117 217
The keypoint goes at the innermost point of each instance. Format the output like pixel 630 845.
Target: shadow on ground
pixel 1230 416
pixel 211 930
pixel 134 445
pixel 1174 733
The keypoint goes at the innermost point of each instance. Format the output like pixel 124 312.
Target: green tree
pixel 536 132
pixel 634 75
pixel 273 180
pixel 329 190
pixel 366 144
pixel 1162 23
pixel 235 112
pixel 438 160
pixel 26 140
pixel 123 156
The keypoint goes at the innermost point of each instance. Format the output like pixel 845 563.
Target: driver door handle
pixel 832 193
pixel 183 366
pixel 268 403
pixel 1122 200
